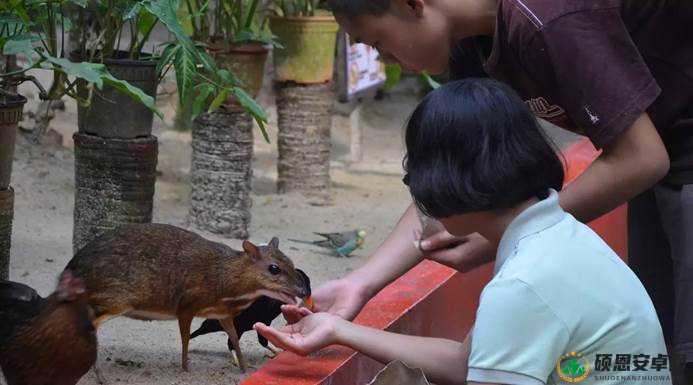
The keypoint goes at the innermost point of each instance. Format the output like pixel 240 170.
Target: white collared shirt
pixel 559 289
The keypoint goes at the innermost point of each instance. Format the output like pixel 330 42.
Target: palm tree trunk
pixel 221 172
pixel 6 216
pixel 11 108
pixel 114 184
pixel 304 115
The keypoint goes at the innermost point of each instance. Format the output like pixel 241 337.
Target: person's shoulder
pixel 537 14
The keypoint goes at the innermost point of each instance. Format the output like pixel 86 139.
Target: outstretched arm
pixel 443 361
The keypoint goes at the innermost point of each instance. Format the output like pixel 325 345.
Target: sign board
pixel 362 69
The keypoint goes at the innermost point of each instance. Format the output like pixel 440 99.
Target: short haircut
pixel 352 8
pixel 474 145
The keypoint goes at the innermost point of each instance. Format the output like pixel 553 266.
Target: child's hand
pixel 460 253
pixel 310 333
pixel 293 313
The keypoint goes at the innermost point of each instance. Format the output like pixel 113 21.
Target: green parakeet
pixel 342 243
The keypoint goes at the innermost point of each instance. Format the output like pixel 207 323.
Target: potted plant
pixel 109 114
pixel 222 138
pixel 30 29
pixel 241 41
pixel 308 36
pixel 303 69
pixel 115 153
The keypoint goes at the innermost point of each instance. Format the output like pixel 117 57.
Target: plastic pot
pixel 113 114
pixel 309 48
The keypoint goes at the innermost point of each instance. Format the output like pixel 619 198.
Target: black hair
pixel 473 145
pixel 352 8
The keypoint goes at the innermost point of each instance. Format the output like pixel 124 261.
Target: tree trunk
pixel 6 216
pixel 221 172
pixel 304 115
pixel 114 184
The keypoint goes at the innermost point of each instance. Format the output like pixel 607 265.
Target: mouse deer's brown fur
pixel 156 271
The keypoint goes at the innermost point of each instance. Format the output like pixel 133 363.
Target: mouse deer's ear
pixel 274 243
pixel 251 249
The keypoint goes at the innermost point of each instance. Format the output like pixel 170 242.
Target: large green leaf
pixel 184 64
pixel 19 44
pixel 204 92
pixel 167 57
pixel 166 13
pixel 91 72
pixel 132 91
pixel 254 109
pixel 133 12
pixel 218 100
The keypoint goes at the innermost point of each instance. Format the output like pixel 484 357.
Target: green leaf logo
pixel 572 367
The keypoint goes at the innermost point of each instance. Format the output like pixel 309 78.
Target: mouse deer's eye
pixel 274 269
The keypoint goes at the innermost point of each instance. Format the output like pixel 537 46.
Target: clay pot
pixel 309 48
pixel 245 61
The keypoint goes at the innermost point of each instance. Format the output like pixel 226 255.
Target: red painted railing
pixel 429 300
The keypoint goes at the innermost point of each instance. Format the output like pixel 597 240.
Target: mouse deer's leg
pixel 99 375
pixel 273 352
pixel 228 325
pixel 97 371
pixel 265 344
pixel 184 322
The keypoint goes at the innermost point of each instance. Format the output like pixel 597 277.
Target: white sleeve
pixel 517 337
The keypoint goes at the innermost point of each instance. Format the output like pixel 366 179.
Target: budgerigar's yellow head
pixel 360 237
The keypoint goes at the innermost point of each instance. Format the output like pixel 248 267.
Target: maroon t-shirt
pixel 593 66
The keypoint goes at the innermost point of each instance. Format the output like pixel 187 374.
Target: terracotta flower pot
pixel 11 108
pixel 245 61
pixel 309 47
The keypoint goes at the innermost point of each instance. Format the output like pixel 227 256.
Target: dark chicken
pixel 46 341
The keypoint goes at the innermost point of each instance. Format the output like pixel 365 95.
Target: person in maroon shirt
pixel 618 71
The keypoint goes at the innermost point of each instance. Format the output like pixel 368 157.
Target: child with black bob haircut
pixel 477 160
pixel 474 146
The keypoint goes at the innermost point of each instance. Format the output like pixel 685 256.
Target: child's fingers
pixel 439 240
pixel 277 338
pixel 292 313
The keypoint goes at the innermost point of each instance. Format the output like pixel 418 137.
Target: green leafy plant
pixel 239 22
pixel 198 77
pixel 292 8
pixel 30 28
pixel 100 26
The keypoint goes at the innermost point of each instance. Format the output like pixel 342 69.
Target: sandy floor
pixel 368 194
